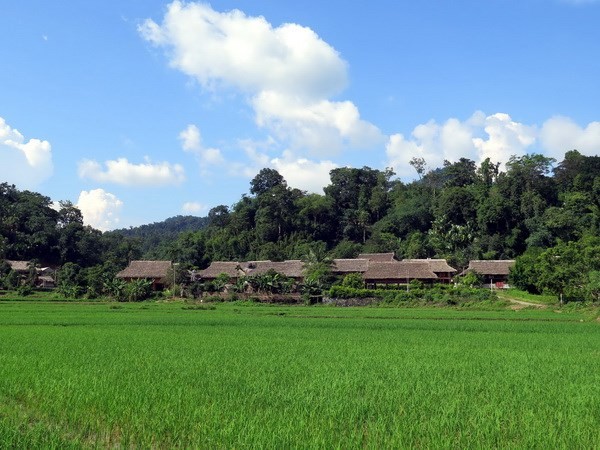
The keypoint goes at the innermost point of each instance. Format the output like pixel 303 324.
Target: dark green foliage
pixel 24 290
pixel 471 280
pixel 353 280
pixel 11 280
pixel 458 212
pixel 441 294
pixel 568 270
pixel 152 239
pixel 266 180
pixel 71 280
pixel 137 290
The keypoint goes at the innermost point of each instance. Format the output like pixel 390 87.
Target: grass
pixel 245 375
pixel 38 295
pixel 527 297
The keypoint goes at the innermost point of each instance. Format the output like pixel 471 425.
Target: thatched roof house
pixel 440 267
pixel 19 266
pixel 290 268
pixel 155 271
pixel 45 282
pixel 398 272
pixel 493 271
pixel 346 266
pixel 231 268
pixel 378 257
pixel 491 267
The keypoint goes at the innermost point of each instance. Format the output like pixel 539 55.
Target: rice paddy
pixel 169 375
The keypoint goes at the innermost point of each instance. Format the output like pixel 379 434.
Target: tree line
pixel 543 212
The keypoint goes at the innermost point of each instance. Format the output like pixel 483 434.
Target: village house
pixel 343 267
pixel 21 267
pixel 440 267
pixel 232 269
pixel 494 272
pixel 375 268
pixel 290 268
pixel 378 257
pixel 154 271
pixel 44 276
pixel 398 272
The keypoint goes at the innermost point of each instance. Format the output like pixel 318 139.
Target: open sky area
pixel 139 110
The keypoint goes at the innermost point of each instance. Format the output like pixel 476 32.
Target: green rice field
pixel 164 375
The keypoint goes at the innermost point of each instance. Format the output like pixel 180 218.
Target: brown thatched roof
pixel 379 257
pixel 342 266
pixel 289 268
pixel 46 278
pixel 216 268
pixel 436 265
pixel 492 267
pixel 18 266
pixel 399 270
pixel 145 269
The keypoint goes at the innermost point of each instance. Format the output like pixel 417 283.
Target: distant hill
pixel 153 236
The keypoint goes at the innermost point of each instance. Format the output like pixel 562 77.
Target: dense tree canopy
pixel 535 207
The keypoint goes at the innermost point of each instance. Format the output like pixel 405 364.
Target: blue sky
pixel 139 110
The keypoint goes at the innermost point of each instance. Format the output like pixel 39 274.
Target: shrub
pixel 24 290
pixel 353 280
pixel 138 290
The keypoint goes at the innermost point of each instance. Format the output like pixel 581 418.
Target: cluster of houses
pixel 44 276
pixel 375 269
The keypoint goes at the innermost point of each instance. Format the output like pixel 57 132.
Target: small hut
pixel 494 272
pixel 154 271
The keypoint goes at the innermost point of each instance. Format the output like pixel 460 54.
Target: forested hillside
pixel 153 237
pixel 548 212
pixel 31 228
pixel 460 211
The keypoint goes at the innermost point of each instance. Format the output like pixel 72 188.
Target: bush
pixel 444 295
pixel 471 279
pixel 24 290
pixel 138 290
pixel 353 280
pixel 11 280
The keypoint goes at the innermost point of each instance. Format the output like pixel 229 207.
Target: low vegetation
pixel 166 375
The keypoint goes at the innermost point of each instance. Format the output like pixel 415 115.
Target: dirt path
pixel 520 304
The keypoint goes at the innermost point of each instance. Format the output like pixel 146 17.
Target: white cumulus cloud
pixel 321 126
pixel 505 138
pixel 301 173
pixel 496 136
pixel 191 141
pixel 25 163
pixel 561 134
pixel 288 73
pixel 100 209
pixel 246 52
pixel 121 171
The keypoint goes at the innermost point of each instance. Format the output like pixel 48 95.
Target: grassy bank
pixel 524 296
pixel 240 375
